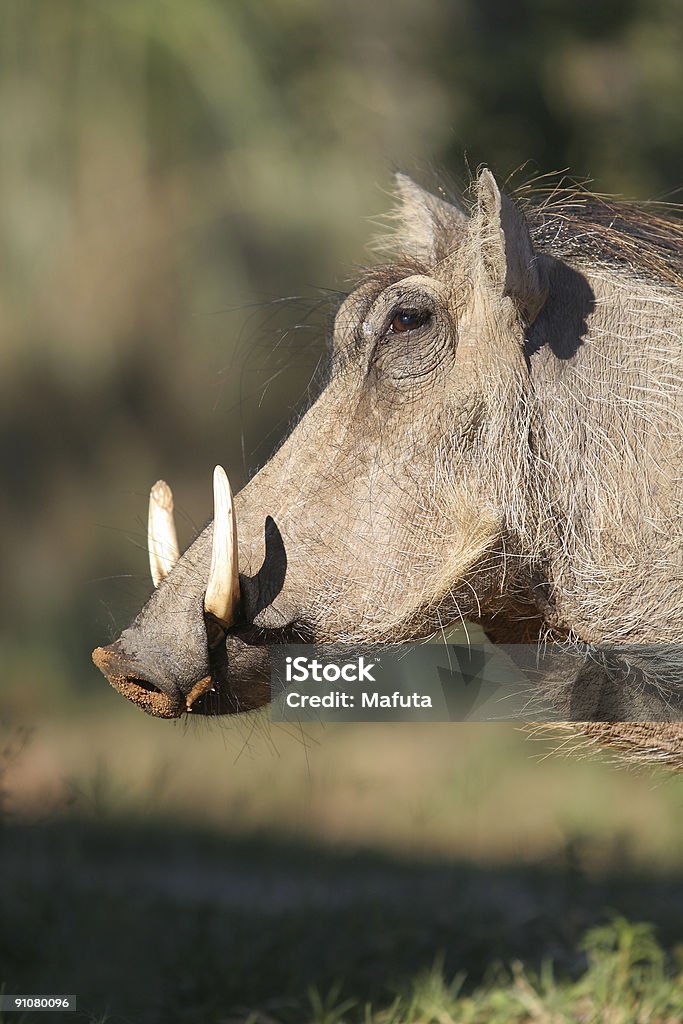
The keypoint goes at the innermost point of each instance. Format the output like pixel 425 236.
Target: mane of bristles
pixel 580 226
pixel 644 240
pixel 631 257
pixel 567 221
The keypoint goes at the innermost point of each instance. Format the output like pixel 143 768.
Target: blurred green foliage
pixel 170 170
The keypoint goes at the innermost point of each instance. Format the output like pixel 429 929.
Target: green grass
pixel 627 981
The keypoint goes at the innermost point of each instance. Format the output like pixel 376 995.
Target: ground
pixel 381 876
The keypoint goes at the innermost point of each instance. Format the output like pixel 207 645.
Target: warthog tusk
pixel 222 599
pixel 161 536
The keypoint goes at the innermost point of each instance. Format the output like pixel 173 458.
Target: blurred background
pixel 186 190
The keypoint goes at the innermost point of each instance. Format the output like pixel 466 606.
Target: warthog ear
pixel 506 249
pixel 427 228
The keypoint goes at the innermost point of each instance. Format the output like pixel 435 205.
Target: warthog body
pixel 499 439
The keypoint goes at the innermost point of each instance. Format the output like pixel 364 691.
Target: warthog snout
pixel 221 691
pixel 201 644
pixel 124 675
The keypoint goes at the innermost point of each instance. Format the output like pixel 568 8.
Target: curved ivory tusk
pixel 222 597
pixel 162 541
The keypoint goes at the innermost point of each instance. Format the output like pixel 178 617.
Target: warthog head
pixel 406 499
pixel 376 519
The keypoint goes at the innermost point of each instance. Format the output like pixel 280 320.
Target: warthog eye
pixel 409 320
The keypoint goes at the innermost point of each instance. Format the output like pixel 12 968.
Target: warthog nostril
pixel 144 684
pixel 141 692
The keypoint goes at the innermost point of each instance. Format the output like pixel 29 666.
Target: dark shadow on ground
pixel 152 922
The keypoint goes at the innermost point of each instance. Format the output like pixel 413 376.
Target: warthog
pixel 498 439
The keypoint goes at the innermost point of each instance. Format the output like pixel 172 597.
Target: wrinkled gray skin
pixel 513 457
